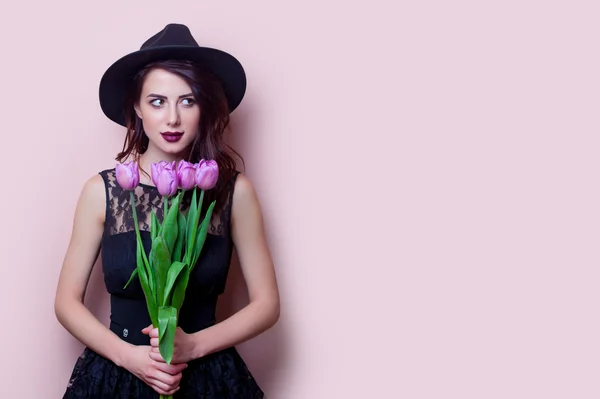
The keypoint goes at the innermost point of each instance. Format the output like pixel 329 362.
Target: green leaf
pixel 167 326
pixel 141 265
pixel 143 268
pixel 179 289
pixel 148 268
pixel 202 235
pixel 169 227
pixel 141 253
pixel 165 211
pixel 163 320
pixel 148 292
pixel 177 251
pixel 174 271
pixel 161 261
pixel 135 272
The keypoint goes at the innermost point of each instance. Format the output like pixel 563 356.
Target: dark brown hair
pixel 214 120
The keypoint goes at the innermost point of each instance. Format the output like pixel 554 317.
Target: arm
pixel 77 266
pixel 84 246
pixel 257 268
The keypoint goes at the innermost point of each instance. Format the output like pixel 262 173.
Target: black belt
pixel 129 316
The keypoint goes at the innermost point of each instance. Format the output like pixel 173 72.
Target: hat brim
pixel 118 77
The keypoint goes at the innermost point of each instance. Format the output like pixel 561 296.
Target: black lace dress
pixel 218 375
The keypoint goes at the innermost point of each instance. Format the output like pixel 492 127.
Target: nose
pixel 174 118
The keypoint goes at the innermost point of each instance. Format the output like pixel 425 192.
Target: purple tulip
pixel 164 176
pixel 207 174
pixel 156 168
pixel 128 175
pixel 186 175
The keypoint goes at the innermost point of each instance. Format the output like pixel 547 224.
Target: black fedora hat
pixel 175 41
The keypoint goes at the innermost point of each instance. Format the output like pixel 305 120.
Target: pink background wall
pixel 428 171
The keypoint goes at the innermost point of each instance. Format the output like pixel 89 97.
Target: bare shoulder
pixel 243 187
pixel 245 198
pixel 92 198
pixel 94 184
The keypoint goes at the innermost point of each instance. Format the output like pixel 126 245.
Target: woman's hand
pixel 163 378
pixel 183 348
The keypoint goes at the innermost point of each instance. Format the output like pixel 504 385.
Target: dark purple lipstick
pixel 172 137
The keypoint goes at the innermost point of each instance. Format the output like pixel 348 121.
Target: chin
pixel 174 148
pixel 179 150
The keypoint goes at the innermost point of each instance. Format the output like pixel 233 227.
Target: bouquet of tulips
pixel 176 241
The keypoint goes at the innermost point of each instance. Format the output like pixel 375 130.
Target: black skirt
pixel 220 375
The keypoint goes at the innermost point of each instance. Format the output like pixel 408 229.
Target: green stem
pixel 137 234
pixel 195 227
pixel 166 207
pixel 135 218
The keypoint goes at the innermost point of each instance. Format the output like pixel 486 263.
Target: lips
pixel 172 137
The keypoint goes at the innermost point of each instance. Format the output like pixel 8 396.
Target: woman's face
pixel 169 113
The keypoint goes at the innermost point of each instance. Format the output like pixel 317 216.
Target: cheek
pixel 152 119
pixel 192 118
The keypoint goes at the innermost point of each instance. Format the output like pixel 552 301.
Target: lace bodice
pixel 119 218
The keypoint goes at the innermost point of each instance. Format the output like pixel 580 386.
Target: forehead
pixel 159 81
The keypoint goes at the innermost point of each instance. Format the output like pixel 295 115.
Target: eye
pixel 157 102
pixel 188 101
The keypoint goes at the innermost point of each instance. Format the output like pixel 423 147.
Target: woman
pixel 174 97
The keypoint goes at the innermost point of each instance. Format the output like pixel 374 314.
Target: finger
pixel 154 333
pixel 158 386
pixel 161 391
pixel 156 356
pixel 147 330
pixel 165 380
pixel 163 387
pixel 154 342
pixel 172 369
pixel 165 393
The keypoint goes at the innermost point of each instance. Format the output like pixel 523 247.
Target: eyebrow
pixel 165 97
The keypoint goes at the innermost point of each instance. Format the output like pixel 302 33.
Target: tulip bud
pixel 186 175
pixel 207 174
pixel 128 175
pixel 164 177
pixel 156 168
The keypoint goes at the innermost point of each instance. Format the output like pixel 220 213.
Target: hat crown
pixel 171 35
